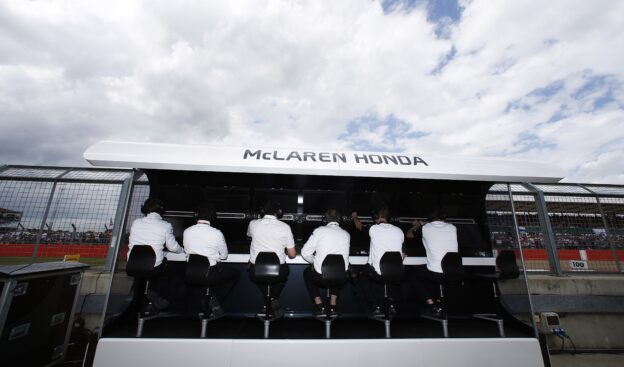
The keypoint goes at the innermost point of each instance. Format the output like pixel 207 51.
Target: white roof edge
pixel 188 157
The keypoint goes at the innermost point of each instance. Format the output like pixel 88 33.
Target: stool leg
pixel 204 326
pixel 140 327
pixel 387 325
pixel 445 328
pixel 267 323
pixel 328 328
pixel 267 301
pixel 327 303
pixel 142 307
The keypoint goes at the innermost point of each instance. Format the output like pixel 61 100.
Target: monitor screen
pixel 318 201
pixel 286 198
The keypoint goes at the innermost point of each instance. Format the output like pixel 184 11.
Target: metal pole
pixel 606 227
pixel 549 238
pixel 43 223
pixel 45 215
pixel 524 272
pixel 124 215
pixel 120 220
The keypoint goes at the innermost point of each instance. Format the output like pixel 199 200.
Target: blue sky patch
pixel 440 12
pixel 530 141
pixel 374 134
pixel 445 61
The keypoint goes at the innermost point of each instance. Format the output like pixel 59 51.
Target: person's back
pixel 384 237
pixel 329 239
pixel 269 234
pixel 438 238
pixel 203 239
pixel 153 231
pixel 326 240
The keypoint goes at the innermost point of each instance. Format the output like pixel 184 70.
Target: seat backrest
pixel 267 266
pixel 333 268
pixel 197 270
pixel 452 267
pixel 507 265
pixel 141 261
pixel 391 266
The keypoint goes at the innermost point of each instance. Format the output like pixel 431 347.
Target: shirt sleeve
pixel 289 240
pixel 223 251
pixel 170 241
pixel 249 228
pixel 309 248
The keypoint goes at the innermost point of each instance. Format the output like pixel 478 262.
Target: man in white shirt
pixel 153 231
pixel 205 240
pixel 438 238
pixel 326 240
pixel 384 237
pixel 269 234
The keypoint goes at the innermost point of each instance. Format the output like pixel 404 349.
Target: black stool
pixel 140 266
pixel 198 274
pixel 453 271
pixel 333 275
pixel 507 269
pixel 391 266
pixel 266 272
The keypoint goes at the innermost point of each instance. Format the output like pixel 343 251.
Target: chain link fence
pixel 581 229
pixel 52 214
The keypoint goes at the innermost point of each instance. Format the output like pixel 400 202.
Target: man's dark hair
pixel 382 212
pixel 271 207
pixel 332 215
pixel 206 211
pixel 153 205
pixel 437 215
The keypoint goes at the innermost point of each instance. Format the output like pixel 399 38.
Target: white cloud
pixel 297 73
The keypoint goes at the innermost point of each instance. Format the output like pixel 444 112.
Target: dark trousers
pixel 373 287
pixel 426 283
pixel 314 281
pixel 276 286
pixel 225 278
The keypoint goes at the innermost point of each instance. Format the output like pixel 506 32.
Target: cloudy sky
pixel 525 79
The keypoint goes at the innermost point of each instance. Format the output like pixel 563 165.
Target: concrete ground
pixel 587 360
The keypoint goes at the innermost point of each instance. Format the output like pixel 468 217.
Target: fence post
pixel 524 271
pixel 120 220
pixel 549 238
pixel 606 227
pixel 45 216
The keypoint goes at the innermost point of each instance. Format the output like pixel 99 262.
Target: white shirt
pixel 326 240
pixel 202 239
pixel 153 231
pixel 438 238
pixel 384 237
pixel 269 235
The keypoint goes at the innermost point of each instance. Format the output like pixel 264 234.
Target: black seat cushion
pixel 333 271
pixel 452 267
pixel 141 261
pixel 391 267
pixel 198 270
pixel 267 267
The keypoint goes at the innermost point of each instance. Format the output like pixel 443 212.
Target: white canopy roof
pixel 317 162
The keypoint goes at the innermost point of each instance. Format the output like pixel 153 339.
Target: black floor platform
pixel 309 328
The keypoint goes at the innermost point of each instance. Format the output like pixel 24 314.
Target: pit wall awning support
pixel 549 237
